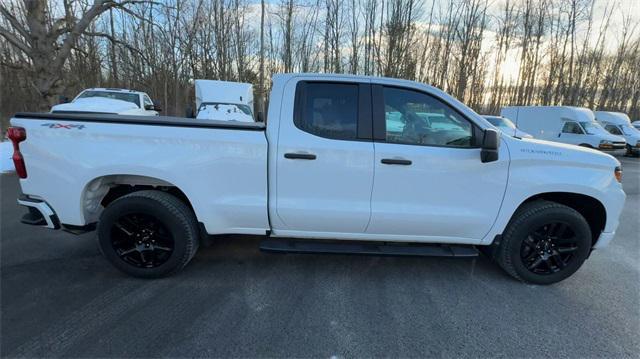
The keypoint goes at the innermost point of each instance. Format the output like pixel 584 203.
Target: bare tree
pixel 544 51
pixel 46 41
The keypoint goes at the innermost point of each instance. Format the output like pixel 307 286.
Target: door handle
pixel 300 156
pixel 396 161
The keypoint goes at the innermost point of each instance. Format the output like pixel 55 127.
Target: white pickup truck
pixel 345 164
pixel 110 100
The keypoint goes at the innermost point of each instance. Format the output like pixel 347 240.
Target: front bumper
pixel 613 201
pixel 604 239
pixel 612 147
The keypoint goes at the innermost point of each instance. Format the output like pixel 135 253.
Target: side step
pixel 368 248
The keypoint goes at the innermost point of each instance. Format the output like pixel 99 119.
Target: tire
pixel 631 153
pixel 148 234
pixel 544 243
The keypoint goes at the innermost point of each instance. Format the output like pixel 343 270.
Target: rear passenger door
pixel 324 165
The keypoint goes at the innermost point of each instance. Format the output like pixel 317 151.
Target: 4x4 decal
pixel 62 125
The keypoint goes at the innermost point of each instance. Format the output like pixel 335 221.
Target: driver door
pixel 429 183
pixel 572 133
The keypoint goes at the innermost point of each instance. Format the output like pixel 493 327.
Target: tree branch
pixel 98 7
pixel 15 41
pixel 14 22
pixel 116 41
pixel 13 65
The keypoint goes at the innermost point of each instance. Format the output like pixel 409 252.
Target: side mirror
pixel 490 145
pixel 152 108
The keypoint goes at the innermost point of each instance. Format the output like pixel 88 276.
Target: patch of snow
pixel 6 151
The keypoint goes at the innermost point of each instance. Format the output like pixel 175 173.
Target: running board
pixel 368 248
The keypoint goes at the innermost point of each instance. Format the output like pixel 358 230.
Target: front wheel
pixel 148 234
pixel 544 243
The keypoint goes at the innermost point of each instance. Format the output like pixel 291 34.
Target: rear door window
pixel 327 110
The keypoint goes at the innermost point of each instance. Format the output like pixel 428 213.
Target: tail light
pixel 17 135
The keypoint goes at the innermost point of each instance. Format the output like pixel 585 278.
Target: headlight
pixel 604 144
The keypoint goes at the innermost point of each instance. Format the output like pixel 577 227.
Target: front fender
pixel 537 169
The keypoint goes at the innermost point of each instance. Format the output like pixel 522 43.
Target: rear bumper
pixel 40 214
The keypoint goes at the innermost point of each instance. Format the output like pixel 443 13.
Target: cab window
pixel 415 118
pixel 327 110
pixel 613 130
pixel 572 127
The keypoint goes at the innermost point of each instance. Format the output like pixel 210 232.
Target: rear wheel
pixel 544 243
pixel 148 234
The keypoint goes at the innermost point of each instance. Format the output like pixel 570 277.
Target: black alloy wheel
pixel 148 234
pixel 549 249
pixel 545 242
pixel 141 240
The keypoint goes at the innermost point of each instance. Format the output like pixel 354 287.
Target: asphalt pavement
pixel 60 298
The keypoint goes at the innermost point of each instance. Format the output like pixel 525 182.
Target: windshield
pixel 629 130
pixel 122 96
pixel 501 122
pixel 244 108
pixel 592 128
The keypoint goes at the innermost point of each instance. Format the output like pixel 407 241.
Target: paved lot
pixel 61 298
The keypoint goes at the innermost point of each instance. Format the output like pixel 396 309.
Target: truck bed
pixel 141 120
pixel 74 159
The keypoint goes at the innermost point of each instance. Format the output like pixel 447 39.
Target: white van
pixel 224 101
pixel 573 125
pixel 619 124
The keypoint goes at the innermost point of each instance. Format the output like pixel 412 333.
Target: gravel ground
pixel 60 298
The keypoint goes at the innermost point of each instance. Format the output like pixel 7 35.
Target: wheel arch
pixel 102 190
pixel 589 207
